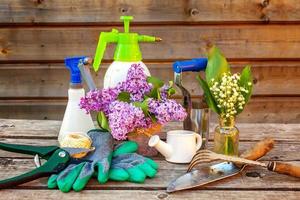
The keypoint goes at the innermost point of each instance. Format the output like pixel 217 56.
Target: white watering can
pixel 180 147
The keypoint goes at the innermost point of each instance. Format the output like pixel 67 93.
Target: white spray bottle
pixel 75 119
pixel 127 53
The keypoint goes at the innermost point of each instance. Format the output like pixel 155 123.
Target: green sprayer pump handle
pixel 127 44
pixel 105 37
pixel 126 20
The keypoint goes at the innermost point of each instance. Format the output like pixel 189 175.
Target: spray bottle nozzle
pixel 127 44
pixel 72 64
pixel 193 65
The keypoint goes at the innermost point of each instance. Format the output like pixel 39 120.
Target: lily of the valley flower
pixel 228 94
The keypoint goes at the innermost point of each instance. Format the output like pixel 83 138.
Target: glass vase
pixel 226 139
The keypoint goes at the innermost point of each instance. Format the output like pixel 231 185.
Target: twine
pixel 76 140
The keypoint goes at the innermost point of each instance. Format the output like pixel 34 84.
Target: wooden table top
pixel 253 183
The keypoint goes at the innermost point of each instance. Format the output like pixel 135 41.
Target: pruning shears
pixel 57 159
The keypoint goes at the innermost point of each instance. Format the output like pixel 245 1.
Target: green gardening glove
pixel 132 167
pixel 76 176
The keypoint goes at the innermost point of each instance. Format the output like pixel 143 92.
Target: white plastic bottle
pixel 75 119
pixel 127 53
pixel 117 72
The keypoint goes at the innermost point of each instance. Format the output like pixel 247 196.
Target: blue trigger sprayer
pixel 75 119
pixel 198 111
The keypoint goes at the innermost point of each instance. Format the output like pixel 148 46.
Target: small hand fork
pixel 204 156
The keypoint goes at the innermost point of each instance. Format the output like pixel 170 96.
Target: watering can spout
pixel 164 148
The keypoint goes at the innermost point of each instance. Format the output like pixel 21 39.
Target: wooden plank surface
pixel 52 80
pixel 48 129
pixel 284 150
pixel 179 42
pixel 148 11
pixel 158 194
pixel 251 178
pixel 262 109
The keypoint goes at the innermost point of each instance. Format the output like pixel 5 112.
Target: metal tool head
pixel 83 66
pixel 204 176
pixel 197 119
pixel 71 152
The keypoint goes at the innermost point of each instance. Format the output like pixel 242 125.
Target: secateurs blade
pixel 57 159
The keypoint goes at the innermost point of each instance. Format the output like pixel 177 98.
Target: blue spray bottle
pixel 75 120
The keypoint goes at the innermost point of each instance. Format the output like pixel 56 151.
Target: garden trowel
pixel 205 175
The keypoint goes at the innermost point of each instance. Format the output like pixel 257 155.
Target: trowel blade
pixel 204 176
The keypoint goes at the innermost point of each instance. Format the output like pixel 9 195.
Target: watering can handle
pixel 198 141
pixel 194 65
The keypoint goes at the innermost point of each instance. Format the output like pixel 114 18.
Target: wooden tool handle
pixel 284 168
pixel 259 149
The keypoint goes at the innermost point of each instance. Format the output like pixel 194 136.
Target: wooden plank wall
pixel 36 35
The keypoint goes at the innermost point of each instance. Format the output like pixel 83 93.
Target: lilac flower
pixel 99 100
pixel 166 110
pixel 136 83
pixel 123 118
pixel 164 92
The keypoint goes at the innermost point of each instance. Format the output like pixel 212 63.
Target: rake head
pixel 202 156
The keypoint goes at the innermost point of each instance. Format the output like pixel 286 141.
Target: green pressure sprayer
pixel 127 52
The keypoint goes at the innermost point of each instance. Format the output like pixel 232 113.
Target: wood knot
pixel 253 174
pixel 275 158
pixel 4 51
pixel 7 126
pixel 194 11
pixel 124 10
pixel 162 196
pixel 38 2
pixel 255 80
pixel 4 162
pixel 265 18
pixel 265 3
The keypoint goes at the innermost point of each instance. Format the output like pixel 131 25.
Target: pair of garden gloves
pixel 106 163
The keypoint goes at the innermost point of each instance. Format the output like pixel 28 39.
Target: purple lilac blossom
pixel 136 83
pixel 166 110
pixel 123 118
pixel 164 92
pixel 99 100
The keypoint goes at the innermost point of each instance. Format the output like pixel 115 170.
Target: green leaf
pixel 102 121
pixel 154 93
pixel 153 118
pixel 124 96
pixel 217 65
pixel 143 105
pixel 246 77
pixel 208 96
pixel 171 91
pixel 156 82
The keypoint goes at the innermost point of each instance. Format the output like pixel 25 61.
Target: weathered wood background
pixel 36 35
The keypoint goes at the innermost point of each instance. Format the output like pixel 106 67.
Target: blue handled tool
pixel 198 112
pixel 57 159
pixel 193 65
